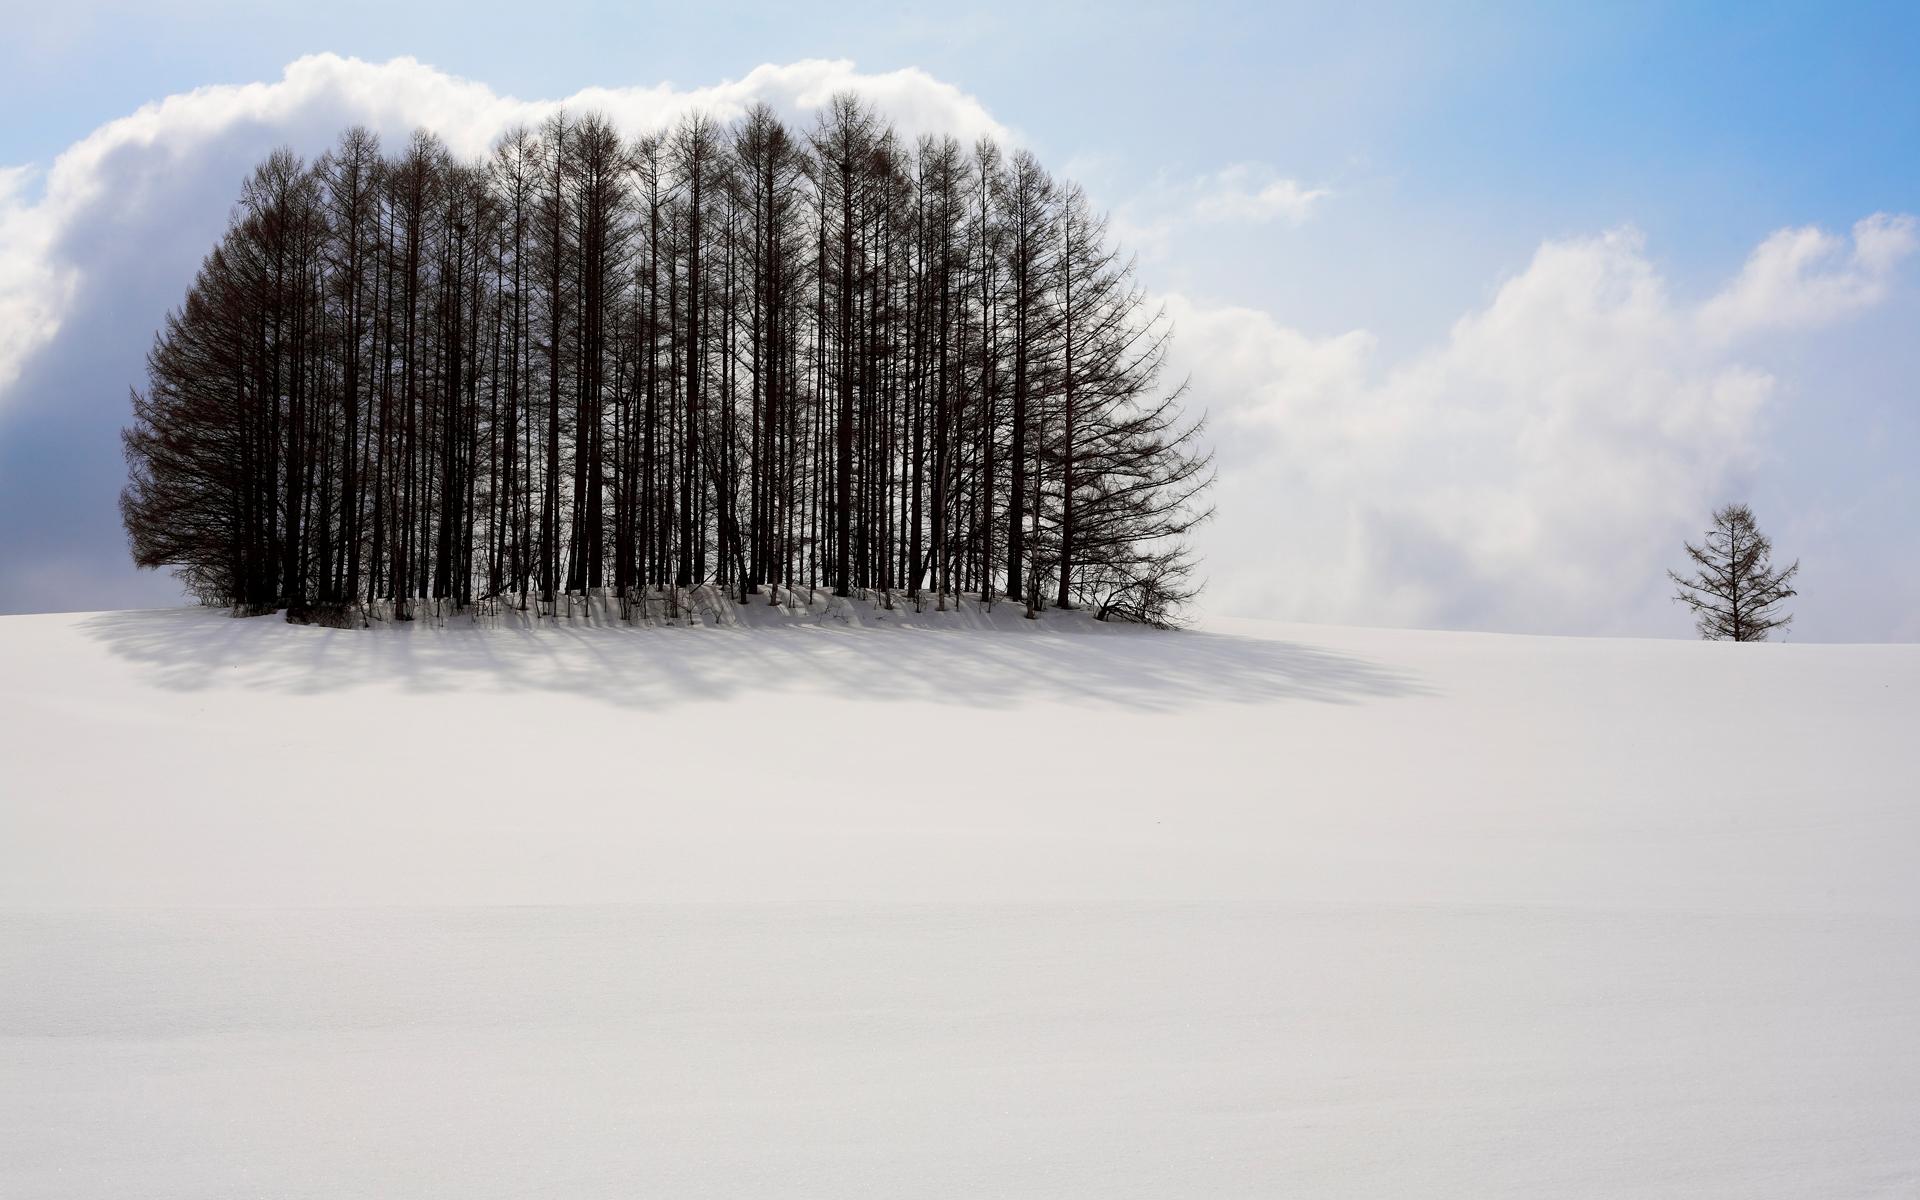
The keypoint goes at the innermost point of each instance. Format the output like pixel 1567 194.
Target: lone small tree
pixel 1736 593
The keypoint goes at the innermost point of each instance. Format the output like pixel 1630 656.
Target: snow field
pixel 963 905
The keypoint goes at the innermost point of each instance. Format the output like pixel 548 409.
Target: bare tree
pixel 1736 592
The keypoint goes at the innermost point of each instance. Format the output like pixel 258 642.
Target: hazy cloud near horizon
pixel 1532 470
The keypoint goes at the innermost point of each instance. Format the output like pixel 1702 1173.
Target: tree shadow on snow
pixel 642 668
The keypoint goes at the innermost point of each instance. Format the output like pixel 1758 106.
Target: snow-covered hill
pixel 961 906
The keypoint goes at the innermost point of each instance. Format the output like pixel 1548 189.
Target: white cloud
pixel 1253 193
pixel 184 152
pixel 1807 276
pixel 34 290
pixel 1241 194
pixel 1535 471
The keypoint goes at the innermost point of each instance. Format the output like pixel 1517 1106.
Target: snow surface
pixel 971 907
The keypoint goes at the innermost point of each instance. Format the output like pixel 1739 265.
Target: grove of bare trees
pixel 744 356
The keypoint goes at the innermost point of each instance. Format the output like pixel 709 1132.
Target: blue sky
pixel 1479 166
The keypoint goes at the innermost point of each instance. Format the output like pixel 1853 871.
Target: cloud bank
pixel 1533 470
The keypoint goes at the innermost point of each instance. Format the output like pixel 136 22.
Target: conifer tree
pixel 1736 592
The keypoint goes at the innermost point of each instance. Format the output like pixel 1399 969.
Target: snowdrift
pixel 950 905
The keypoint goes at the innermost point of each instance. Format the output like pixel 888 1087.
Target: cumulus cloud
pixel 1807 276
pixel 1534 471
pixel 33 290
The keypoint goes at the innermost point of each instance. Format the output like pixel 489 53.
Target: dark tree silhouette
pixel 730 356
pixel 1735 594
